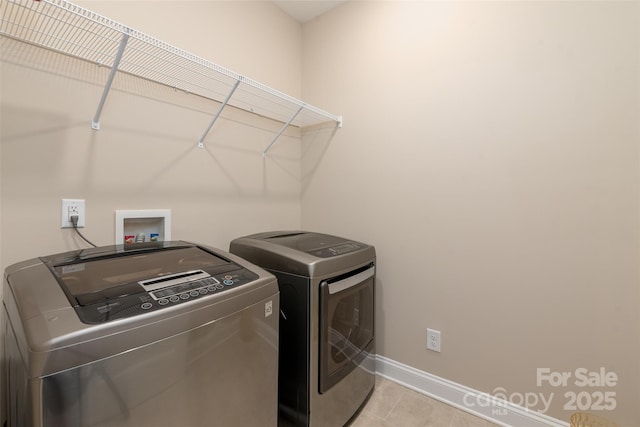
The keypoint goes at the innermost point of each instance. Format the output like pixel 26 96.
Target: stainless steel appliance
pixel 168 334
pixel 326 369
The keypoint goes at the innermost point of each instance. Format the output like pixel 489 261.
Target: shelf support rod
pixel 224 104
pixel 95 124
pixel 264 153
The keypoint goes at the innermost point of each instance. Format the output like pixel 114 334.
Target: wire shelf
pixel 73 30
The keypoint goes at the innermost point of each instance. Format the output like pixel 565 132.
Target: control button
pixel 202 291
pixel 163 301
pixel 228 282
pixel 194 293
pixel 219 286
pixel 174 298
pixel 212 288
pixel 146 306
pixel 184 296
pixel 228 277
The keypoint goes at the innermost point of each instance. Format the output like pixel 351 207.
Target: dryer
pixel 170 334
pixel 327 339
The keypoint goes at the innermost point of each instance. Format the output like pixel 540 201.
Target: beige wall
pixel 490 152
pixel 145 155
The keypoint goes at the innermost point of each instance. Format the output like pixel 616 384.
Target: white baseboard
pixel 497 411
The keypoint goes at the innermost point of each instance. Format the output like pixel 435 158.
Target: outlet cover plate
pixel 64 213
pixel 433 340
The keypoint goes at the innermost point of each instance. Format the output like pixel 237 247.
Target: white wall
pixel 490 153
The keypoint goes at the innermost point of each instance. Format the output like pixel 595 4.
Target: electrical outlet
pixel 72 207
pixel 433 340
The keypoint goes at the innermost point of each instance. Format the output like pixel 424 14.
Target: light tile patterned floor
pixel 393 405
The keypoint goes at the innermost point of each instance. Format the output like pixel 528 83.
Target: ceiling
pixel 305 10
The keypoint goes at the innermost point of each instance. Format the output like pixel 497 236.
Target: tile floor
pixel 392 405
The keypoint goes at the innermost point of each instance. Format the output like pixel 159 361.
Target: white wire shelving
pixel 72 30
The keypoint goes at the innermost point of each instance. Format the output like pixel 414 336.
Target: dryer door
pixel 346 324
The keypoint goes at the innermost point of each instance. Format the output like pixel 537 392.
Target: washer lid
pixel 317 244
pixel 116 271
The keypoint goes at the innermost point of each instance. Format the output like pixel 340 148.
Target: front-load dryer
pixel 327 340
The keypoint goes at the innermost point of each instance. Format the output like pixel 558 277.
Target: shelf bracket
pixel 264 153
pixel 224 104
pixel 95 124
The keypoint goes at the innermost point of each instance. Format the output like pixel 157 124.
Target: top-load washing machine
pixel 327 340
pixel 168 334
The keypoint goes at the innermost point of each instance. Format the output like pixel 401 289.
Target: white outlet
pixel 433 340
pixel 72 207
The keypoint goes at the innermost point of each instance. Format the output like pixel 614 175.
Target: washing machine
pixel 170 334
pixel 327 339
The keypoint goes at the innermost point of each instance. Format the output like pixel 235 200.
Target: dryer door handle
pixel 349 282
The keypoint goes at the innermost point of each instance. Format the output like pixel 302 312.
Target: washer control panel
pixel 194 289
pixel 164 293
